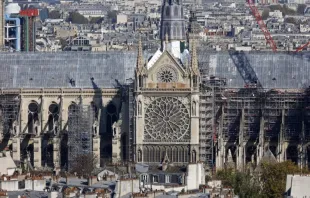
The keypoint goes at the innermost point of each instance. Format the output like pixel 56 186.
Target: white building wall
pixel 28 184
pixel 195 176
pixel 124 187
pixel 167 188
pixel 11 185
pixel 298 185
pixel 121 18
pixel 192 180
pixel 39 185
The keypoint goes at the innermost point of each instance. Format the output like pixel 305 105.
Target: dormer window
pixel 155 178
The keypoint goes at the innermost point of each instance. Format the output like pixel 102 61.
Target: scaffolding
pixel 80 122
pixel 9 107
pixel 131 134
pixel 210 111
pixel 244 115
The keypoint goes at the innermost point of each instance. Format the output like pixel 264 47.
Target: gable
pixel 166 69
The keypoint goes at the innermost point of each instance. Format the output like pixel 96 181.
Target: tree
pixel 63 43
pixel 273 177
pixel 265 14
pixel 301 9
pixel 290 20
pixel 112 15
pixel 54 14
pixel 84 164
pixel 284 9
pixel 268 182
pixel 288 11
pixel 244 184
pixel 276 7
pixel 75 17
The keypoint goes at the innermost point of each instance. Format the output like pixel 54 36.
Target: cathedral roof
pixel 66 69
pixel 55 70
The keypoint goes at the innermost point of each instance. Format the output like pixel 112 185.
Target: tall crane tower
pixel 262 25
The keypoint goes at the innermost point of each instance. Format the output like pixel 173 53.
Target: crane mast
pixel 262 25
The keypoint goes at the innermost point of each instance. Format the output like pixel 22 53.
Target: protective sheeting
pixel 65 70
pixel 273 70
pixel 78 69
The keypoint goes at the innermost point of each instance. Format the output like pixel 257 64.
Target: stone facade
pixel 39 132
pixel 167 113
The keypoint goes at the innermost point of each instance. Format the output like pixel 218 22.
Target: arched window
pixel 195 81
pixel 168 32
pixel 292 154
pixel 111 117
pixel 186 150
pixel 47 152
pixel 176 32
pixel 73 117
pixel 151 154
pixel 33 117
pixel 73 109
pixel 175 154
pixel 145 154
pixel 169 152
pixel 168 11
pixel 157 155
pixel 53 111
pixel 194 108
pixel 139 156
pixel 140 81
pixel 193 156
pixel 181 154
pixel 176 11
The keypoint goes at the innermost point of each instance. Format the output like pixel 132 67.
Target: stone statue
pixel 36 128
pixel 139 155
pixel 15 128
pixel 95 128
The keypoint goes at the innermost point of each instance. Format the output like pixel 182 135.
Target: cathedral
pixel 180 105
pixel 167 96
pixel 150 118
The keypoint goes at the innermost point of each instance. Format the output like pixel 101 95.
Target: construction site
pixel 248 108
pixel 55 107
pixel 249 102
pixel 48 125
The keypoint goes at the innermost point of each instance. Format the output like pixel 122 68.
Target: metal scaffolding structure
pixel 131 134
pixel 9 109
pixel 210 111
pixel 80 122
pixel 248 119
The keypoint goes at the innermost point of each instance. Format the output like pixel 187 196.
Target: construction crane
pixel 302 47
pixel 262 25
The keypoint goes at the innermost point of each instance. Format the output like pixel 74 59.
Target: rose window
pixel 167 119
pixel 166 74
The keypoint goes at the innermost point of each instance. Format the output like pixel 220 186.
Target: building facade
pixel 177 105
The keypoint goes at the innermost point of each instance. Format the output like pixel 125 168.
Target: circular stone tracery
pixel 167 119
pixel 166 74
